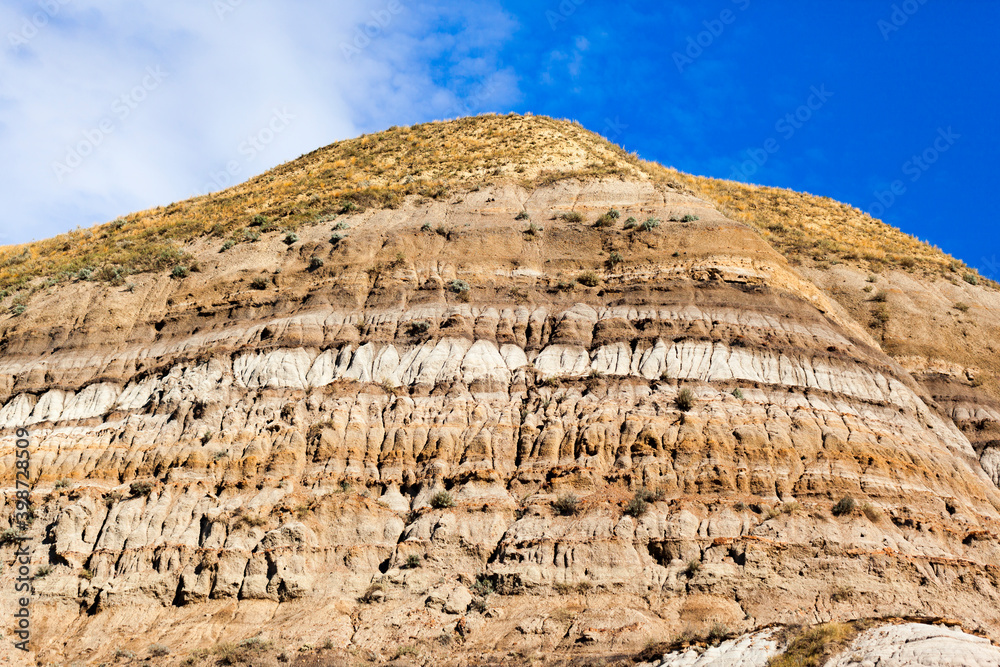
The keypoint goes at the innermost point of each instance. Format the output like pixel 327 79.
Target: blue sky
pixel 112 106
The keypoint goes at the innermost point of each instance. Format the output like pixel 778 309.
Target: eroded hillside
pixel 490 389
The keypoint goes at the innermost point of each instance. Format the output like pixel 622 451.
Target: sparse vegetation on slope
pixel 430 161
pixel 372 171
pixel 806 227
pixel 812 647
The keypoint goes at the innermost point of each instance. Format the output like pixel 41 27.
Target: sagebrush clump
pixel 845 505
pixel 442 500
pixel 566 504
pixel 684 400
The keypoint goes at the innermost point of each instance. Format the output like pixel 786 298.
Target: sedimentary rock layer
pixel 442 434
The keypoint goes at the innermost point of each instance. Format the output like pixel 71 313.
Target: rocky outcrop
pixel 753 650
pixel 917 644
pixel 892 644
pixel 441 436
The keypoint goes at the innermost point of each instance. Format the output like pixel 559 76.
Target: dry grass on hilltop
pixel 803 226
pixel 377 170
pixel 430 161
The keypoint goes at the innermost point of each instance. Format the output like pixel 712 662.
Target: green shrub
pixel 845 505
pixel 572 216
pixel 426 227
pixel 11 536
pixel 961 306
pixel 316 263
pixel 458 286
pixel 109 274
pixel 343 225
pixel 348 207
pixel 872 278
pixel 630 223
pixel 18 309
pixel 180 271
pixel 971 278
pixel 229 243
pixel 649 224
pixel 43 571
pixel 483 586
pixel 790 508
pixel 258 220
pixel 637 506
pixel 63 484
pixel 608 219
pixel 880 297
pixel 337 238
pixel 522 215
pixel 738 393
pixel 684 400
pixel 291 238
pixel 650 495
pixel 259 283
pixel 692 567
pixel 405 651
pixel 417 328
pixel 717 633
pixel 880 314
pixel 689 218
pixel 532 230
pixel 841 593
pixel 614 259
pixel 566 504
pixel 84 274
pixel 588 279
pixel 240 653
pixel 158 650
pixel 251 235
pixel 140 488
pixel 412 562
pixel 442 500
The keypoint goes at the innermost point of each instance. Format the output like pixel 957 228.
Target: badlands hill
pixel 494 391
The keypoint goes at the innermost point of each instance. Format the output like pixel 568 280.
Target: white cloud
pixel 165 96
